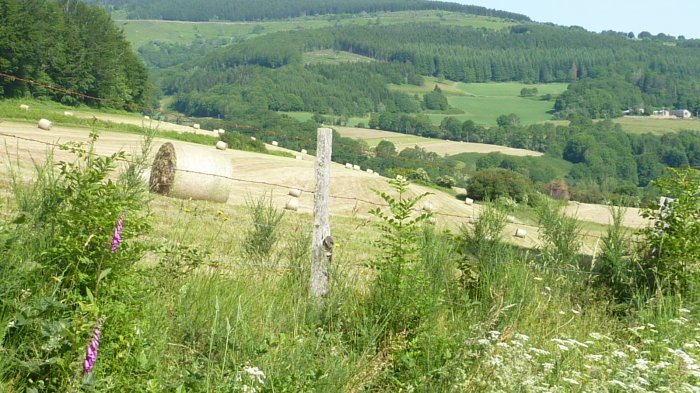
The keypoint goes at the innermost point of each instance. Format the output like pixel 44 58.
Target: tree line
pixel 247 10
pixel 607 73
pixel 69 46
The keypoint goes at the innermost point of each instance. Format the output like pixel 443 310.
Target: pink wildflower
pixel 91 349
pixel 117 238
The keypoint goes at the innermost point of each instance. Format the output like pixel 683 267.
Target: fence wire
pixel 357 200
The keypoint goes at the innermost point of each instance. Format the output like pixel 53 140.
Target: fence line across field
pixel 285 186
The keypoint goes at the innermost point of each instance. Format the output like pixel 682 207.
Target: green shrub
pixel 618 269
pixel 559 235
pixel 446 181
pixel 397 300
pixel 483 239
pixel 496 182
pixel 238 141
pixel 419 175
pixel 262 237
pixel 62 259
pixel 671 250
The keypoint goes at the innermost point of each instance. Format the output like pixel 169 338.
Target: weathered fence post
pixel 322 244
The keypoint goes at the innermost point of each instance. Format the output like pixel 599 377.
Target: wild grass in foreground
pixel 210 300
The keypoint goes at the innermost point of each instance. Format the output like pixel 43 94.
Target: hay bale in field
pixel 252 138
pixel 195 126
pixel 348 165
pixel 67 113
pixel 221 131
pixel 299 157
pixel 275 143
pixel 370 171
pixel 292 204
pixel 468 201
pixel 511 219
pixel 303 151
pixel 45 124
pixel 356 167
pixel 221 145
pixel 295 192
pixel 521 233
pixel 184 171
pixel 147 118
pixel 24 107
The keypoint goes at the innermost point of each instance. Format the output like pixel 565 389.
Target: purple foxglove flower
pixel 117 238
pixel 91 349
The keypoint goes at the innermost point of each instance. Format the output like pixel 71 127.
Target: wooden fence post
pixel 322 244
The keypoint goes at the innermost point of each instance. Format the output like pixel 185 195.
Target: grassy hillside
pixel 329 56
pixel 644 124
pixel 439 146
pixel 197 296
pixel 484 102
pixel 140 32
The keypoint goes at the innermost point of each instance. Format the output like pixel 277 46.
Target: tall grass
pixel 191 315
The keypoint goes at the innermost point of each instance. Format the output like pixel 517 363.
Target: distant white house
pixel 682 113
pixel 661 113
pixel 630 112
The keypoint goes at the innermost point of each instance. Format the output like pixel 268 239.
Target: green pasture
pixel 509 89
pixel 140 32
pixel 644 124
pixel 329 56
pixel 401 140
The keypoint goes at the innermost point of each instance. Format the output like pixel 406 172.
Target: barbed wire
pixel 286 186
pixel 54 88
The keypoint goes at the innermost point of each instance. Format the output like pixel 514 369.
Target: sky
pixel 679 17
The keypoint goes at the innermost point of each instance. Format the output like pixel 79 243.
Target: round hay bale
pixel 24 107
pixel 147 118
pixel 348 165
pixel 252 138
pixel 221 145
pixel 521 233
pixel 292 204
pixel 185 171
pixel 370 171
pixel 428 207
pixel 221 131
pixel 376 173
pixel 511 219
pixel 356 167
pixel 468 201
pixel 275 143
pixel 67 113
pixel 295 192
pixel 195 126
pixel 303 151
pixel 45 124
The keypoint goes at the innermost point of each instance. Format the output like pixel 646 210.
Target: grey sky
pixel 679 17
